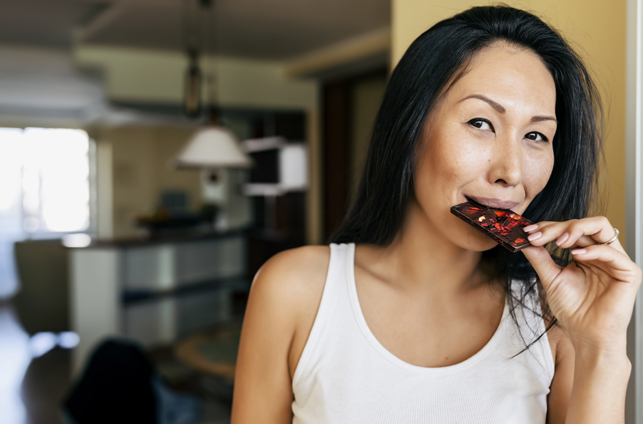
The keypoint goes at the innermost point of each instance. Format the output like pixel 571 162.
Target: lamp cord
pixel 210 49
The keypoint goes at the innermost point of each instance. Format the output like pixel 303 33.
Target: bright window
pixel 44 189
pixel 55 180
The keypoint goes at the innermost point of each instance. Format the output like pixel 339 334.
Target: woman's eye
pixel 536 136
pixel 480 123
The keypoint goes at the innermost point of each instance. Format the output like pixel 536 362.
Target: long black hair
pixel 430 65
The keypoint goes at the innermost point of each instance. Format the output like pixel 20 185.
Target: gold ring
pixel 613 239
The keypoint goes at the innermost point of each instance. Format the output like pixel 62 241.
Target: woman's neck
pixel 422 261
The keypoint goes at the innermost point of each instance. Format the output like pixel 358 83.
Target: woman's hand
pixel 593 297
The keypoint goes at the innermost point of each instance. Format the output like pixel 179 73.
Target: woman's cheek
pixel 471 157
pixel 538 172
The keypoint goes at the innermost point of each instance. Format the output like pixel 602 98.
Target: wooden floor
pixel 31 389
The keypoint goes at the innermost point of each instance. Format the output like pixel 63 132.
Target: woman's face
pixel 490 138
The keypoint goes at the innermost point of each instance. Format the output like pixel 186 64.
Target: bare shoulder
pixel 282 287
pixel 295 273
pixel 293 261
pixel 295 279
pixel 281 296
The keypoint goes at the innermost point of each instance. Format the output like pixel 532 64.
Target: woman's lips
pixel 494 203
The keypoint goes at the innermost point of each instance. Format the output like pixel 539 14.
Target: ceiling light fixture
pixel 194 26
pixel 212 147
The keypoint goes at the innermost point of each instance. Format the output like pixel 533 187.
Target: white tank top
pixel 346 376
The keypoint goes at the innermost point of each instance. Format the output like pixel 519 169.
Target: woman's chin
pixel 480 243
pixel 470 238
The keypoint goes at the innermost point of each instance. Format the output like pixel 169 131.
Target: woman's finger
pixel 597 229
pixel 538 226
pixel 618 265
pixel 582 232
pixel 543 264
pixel 581 242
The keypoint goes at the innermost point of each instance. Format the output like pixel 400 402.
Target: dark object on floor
pixel 120 385
pixel 115 387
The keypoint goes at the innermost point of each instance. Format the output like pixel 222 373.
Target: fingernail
pixel 534 236
pixel 562 239
pixel 579 252
pixel 531 227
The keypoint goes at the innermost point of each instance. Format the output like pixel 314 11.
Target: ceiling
pixel 259 29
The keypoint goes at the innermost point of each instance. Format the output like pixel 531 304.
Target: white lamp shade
pixel 213 147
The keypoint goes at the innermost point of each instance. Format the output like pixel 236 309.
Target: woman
pixel 411 315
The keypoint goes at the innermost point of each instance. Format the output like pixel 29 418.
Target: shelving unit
pixel 278 192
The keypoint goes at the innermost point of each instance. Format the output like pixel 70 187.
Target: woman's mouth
pixel 493 202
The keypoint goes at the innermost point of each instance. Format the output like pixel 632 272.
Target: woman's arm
pixel 587 388
pixel 563 381
pixel 600 383
pixel 593 298
pixel 262 387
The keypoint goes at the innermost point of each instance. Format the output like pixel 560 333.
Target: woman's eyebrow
pixel 496 106
pixel 501 109
pixel 543 118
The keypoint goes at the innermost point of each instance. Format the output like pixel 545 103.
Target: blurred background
pixel 155 153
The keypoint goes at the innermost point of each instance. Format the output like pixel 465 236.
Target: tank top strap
pixel 333 309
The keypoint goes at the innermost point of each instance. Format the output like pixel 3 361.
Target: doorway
pixel 349 108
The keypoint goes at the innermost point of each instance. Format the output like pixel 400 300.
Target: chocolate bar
pixel 502 225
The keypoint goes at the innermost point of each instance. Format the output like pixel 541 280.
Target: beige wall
pixel 140 172
pixel 596 28
pixel 366 96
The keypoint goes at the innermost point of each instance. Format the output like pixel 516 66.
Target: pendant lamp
pixel 212 147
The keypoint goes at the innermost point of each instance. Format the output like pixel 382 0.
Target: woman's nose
pixel 506 163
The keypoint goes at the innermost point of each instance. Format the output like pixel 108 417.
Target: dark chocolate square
pixel 502 225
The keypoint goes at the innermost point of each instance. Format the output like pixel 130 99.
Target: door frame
pixel 633 206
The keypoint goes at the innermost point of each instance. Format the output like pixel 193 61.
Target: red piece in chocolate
pixel 502 225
